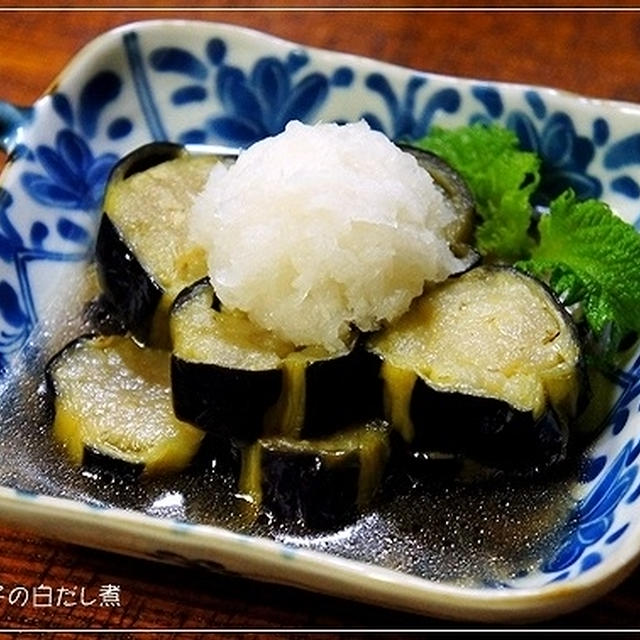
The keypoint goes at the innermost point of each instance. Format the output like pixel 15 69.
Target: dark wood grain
pixel 595 53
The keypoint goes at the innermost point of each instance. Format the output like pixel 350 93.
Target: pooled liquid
pixel 440 529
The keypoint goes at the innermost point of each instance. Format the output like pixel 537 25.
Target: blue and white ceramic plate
pixel 521 553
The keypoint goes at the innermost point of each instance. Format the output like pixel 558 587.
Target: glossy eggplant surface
pixel 488 365
pixel 320 482
pixel 143 251
pixel 112 408
pixel 233 378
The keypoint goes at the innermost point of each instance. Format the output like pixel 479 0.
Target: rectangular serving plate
pixel 198 82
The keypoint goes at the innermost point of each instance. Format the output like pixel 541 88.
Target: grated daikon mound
pixel 322 227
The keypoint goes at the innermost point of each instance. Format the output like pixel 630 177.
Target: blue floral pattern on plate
pixel 613 482
pixel 235 89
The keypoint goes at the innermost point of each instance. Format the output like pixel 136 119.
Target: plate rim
pixel 535 603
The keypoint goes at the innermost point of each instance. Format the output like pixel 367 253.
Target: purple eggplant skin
pixel 106 467
pixel 228 403
pixel 146 157
pixel 341 391
pixel 240 403
pixel 460 231
pixel 233 402
pixel 302 487
pixel 126 284
pixel 97 463
pixel 322 483
pixel 449 424
pixel 486 430
pixel 102 317
pixel 135 279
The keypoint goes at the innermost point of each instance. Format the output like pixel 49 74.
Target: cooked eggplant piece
pixel 237 380
pixel 143 253
pixel 460 231
pixel 102 317
pixel 112 408
pixel 321 482
pixel 487 365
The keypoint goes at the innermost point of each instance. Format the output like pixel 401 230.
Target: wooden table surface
pixel 591 52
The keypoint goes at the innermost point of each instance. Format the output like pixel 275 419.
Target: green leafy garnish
pixel 591 256
pixel 501 178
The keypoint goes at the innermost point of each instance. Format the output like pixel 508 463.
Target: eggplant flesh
pixel 144 254
pixel 322 483
pixel 112 408
pixel 128 286
pixel 238 380
pixel 487 365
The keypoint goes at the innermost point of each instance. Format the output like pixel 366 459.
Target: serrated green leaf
pixel 589 254
pixel 501 178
